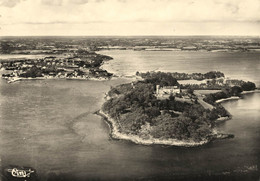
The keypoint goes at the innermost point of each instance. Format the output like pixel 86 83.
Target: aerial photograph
pixel 129 90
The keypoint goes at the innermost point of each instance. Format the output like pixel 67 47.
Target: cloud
pixel 134 11
pixel 78 1
pixel 52 2
pixel 100 13
pixel 59 22
pixel 231 6
pixel 9 3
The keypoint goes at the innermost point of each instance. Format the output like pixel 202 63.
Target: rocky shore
pixel 116 134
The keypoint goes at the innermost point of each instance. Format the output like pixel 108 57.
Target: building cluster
pixel 217 84
pixel 69 67
pixel 182 95
pixel 225 82
pixel 166 91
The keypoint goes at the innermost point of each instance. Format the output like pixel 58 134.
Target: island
pixel 79 64
pixel 158 109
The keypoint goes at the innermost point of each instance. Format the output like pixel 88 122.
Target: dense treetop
pixel 135 108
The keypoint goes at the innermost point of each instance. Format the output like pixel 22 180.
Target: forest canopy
pixel 135 105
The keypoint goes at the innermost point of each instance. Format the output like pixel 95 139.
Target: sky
pixel 129 17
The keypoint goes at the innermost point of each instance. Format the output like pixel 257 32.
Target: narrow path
pixel 203 103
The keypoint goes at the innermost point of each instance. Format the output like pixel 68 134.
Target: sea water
pixel 50 125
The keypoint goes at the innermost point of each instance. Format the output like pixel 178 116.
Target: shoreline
pixel 227 99
pixel 223 119
pixel 181 50
pixel 237 97
pixel 115 134
pixel 250 92
pixel 16 79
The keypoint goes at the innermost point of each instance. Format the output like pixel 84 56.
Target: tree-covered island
pixel 157 110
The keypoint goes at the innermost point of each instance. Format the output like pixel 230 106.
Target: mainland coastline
pixel 17 79
pixel 77 65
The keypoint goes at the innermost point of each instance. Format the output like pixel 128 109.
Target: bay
pixel 235 65
pixel 49 125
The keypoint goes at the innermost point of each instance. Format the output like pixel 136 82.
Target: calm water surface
pixel 50 125
pixel 25 56
pixel 237 65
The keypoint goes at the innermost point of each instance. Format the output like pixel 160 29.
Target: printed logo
pixel 14 172
pixel 20 173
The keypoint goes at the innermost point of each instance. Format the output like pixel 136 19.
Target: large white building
pixel 167 91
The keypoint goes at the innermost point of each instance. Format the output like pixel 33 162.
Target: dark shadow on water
pixel 235 177
pixel 254 176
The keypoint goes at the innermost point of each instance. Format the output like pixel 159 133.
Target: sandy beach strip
pixel 227 99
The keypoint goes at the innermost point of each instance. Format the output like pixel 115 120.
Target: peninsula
pixel 80 64
pixel 160 110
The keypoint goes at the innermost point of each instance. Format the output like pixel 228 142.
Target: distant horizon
pixel 130 36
